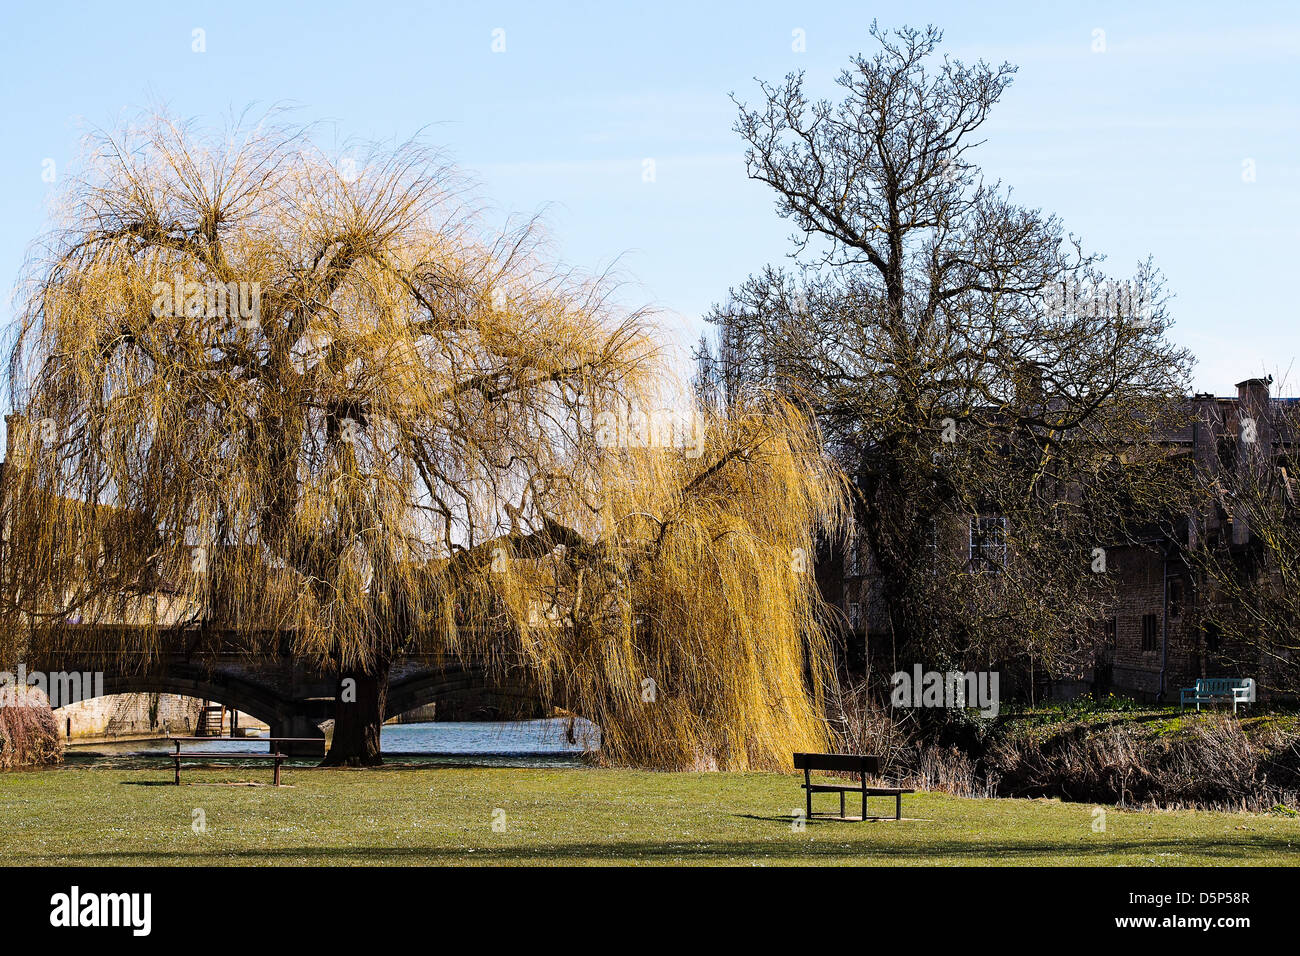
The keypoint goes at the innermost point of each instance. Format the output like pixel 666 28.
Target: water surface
pixel 514 743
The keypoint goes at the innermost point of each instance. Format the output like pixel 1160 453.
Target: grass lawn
pixel 575 816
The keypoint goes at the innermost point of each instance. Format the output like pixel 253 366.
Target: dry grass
pixel 28 734
pixel 1207 761
pixel 1125 756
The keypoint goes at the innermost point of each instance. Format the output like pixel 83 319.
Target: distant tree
pixel 312 400
pixel 964 356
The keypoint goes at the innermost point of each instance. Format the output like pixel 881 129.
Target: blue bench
pixel 1218 690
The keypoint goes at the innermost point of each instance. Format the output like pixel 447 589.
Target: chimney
pixel 1205 428
pixel 1028 381
pixel 1254 440
pixel 1254 421
pixel 1253 392
pixel 14 422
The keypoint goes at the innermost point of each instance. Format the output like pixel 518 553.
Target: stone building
pixel 1150 643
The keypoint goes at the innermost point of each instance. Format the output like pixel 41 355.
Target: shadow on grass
pixel 795 850
pixel 819 817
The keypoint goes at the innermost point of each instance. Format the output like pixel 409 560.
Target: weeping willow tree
pixel 268 393
pixel 679 612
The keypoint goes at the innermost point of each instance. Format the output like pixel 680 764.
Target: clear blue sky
pixel 1139 148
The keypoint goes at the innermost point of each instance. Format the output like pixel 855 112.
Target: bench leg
pixel 178 772
pixel 898 806
pixel 841 804
pixel 864 804
pixel 277 773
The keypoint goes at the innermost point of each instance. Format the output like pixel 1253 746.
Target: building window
pixel 855 616
pixel 1112 629
pixel 1213 637
pixel 1149 630
pixel 1227 451
pixel 1176 597
pixel 988 542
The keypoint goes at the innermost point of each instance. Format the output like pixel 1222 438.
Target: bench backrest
pixel 843 763
pixel 1221 685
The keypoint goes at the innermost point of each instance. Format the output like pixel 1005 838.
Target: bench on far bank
pixel 210 755
pixel 860 764
pixel 1218 690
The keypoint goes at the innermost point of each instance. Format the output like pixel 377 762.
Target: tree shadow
pixel 205 783
pixel 783 851
pixel 828 818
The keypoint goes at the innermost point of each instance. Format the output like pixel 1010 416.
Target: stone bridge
pixel 283 691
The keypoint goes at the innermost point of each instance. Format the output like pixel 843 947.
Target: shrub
pixel 28 734
pixel 1088 751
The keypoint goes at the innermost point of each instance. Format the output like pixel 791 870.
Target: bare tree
pixel 964 355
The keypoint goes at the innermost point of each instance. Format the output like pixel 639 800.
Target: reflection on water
pixel 516 743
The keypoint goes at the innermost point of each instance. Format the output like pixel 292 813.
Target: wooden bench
pixel 275 755
pixel 847 763
pixel 177 757
pixel 1218 690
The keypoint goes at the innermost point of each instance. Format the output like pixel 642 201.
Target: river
pixel 516 743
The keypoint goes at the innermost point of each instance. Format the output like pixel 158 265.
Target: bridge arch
pixel 234 694
pixel 295 699
pixel 467 686
pixel 475 694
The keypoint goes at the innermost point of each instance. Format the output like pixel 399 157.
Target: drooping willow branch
pixel 386 444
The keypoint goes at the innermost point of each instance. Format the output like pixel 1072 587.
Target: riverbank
pixel 1109 752
pixel 577 816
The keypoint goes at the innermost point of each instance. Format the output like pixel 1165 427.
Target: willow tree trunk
pixel 358 718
